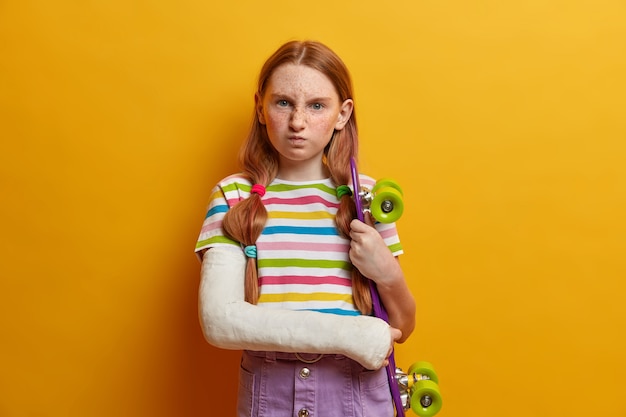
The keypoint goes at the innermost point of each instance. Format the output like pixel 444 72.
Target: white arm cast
pixel 231 323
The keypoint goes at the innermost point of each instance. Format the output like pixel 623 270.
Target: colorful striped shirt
pixel 303 262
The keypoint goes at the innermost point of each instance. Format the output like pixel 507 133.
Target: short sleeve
pixel 227 193
pixel 388 231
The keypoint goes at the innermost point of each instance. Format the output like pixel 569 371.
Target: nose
pixel 297 120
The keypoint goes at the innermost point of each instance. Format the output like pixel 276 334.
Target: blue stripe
pixel 337 311
pixel 217 209
pixel 327 231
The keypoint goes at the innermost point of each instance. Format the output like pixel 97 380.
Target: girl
pixel 284 261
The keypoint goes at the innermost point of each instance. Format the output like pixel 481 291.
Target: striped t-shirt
pixel 303 262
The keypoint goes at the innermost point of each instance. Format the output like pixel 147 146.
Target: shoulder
pixel 366 181
pixel 234 181
pixel 233 188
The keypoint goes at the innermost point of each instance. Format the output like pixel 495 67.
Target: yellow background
pixel 503 121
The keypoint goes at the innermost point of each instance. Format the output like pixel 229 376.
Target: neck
pixel 300 171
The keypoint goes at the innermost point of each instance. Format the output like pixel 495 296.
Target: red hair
pixel 245 221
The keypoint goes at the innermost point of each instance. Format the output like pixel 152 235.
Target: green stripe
pixel 236 186
pixel 215 239
pixel 279 187
pixel 396 247
pixel 289 187
pixel 304 263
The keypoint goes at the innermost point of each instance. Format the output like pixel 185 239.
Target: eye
pixel 282 103
pixel 317 106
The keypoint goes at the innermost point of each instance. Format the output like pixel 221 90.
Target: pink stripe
pixel 388 233
pixel 211 226
pixel 315 247
pixel 368 182
pixel 300 200
pixel 297 280
pixel 232 201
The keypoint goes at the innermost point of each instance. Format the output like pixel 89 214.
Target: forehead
pixel 296 80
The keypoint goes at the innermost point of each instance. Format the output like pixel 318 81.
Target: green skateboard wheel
pixel 424 368
pixel 386 182
pixel 387 205
pixel 425 398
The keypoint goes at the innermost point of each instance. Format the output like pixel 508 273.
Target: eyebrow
pixel 288 97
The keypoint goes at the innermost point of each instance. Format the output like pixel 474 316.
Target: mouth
pixel 296 140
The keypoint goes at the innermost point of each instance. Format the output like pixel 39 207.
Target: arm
pixel 231 323
pixel 371 256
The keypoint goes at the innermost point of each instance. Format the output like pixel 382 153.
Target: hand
pixel 396 335
pixel 368 251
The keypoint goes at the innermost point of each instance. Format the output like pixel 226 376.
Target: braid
pixel 338 157
pixel 245 221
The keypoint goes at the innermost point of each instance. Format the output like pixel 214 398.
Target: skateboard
pixel 418 389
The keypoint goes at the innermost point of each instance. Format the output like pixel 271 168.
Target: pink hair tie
pixel 258 189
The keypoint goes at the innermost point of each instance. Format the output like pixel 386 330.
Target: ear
pixel 344 114
pixel 258 105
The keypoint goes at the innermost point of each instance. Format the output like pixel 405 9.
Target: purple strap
pixel 377 305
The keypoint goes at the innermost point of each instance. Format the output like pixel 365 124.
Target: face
pixel 301 110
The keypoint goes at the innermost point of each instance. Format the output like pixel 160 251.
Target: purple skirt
pixel 275 384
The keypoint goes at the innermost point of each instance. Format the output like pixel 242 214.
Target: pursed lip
pixel 296 139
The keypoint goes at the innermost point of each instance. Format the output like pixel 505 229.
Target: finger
pixel 396 334
pixel 356 225
pixel 369 219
